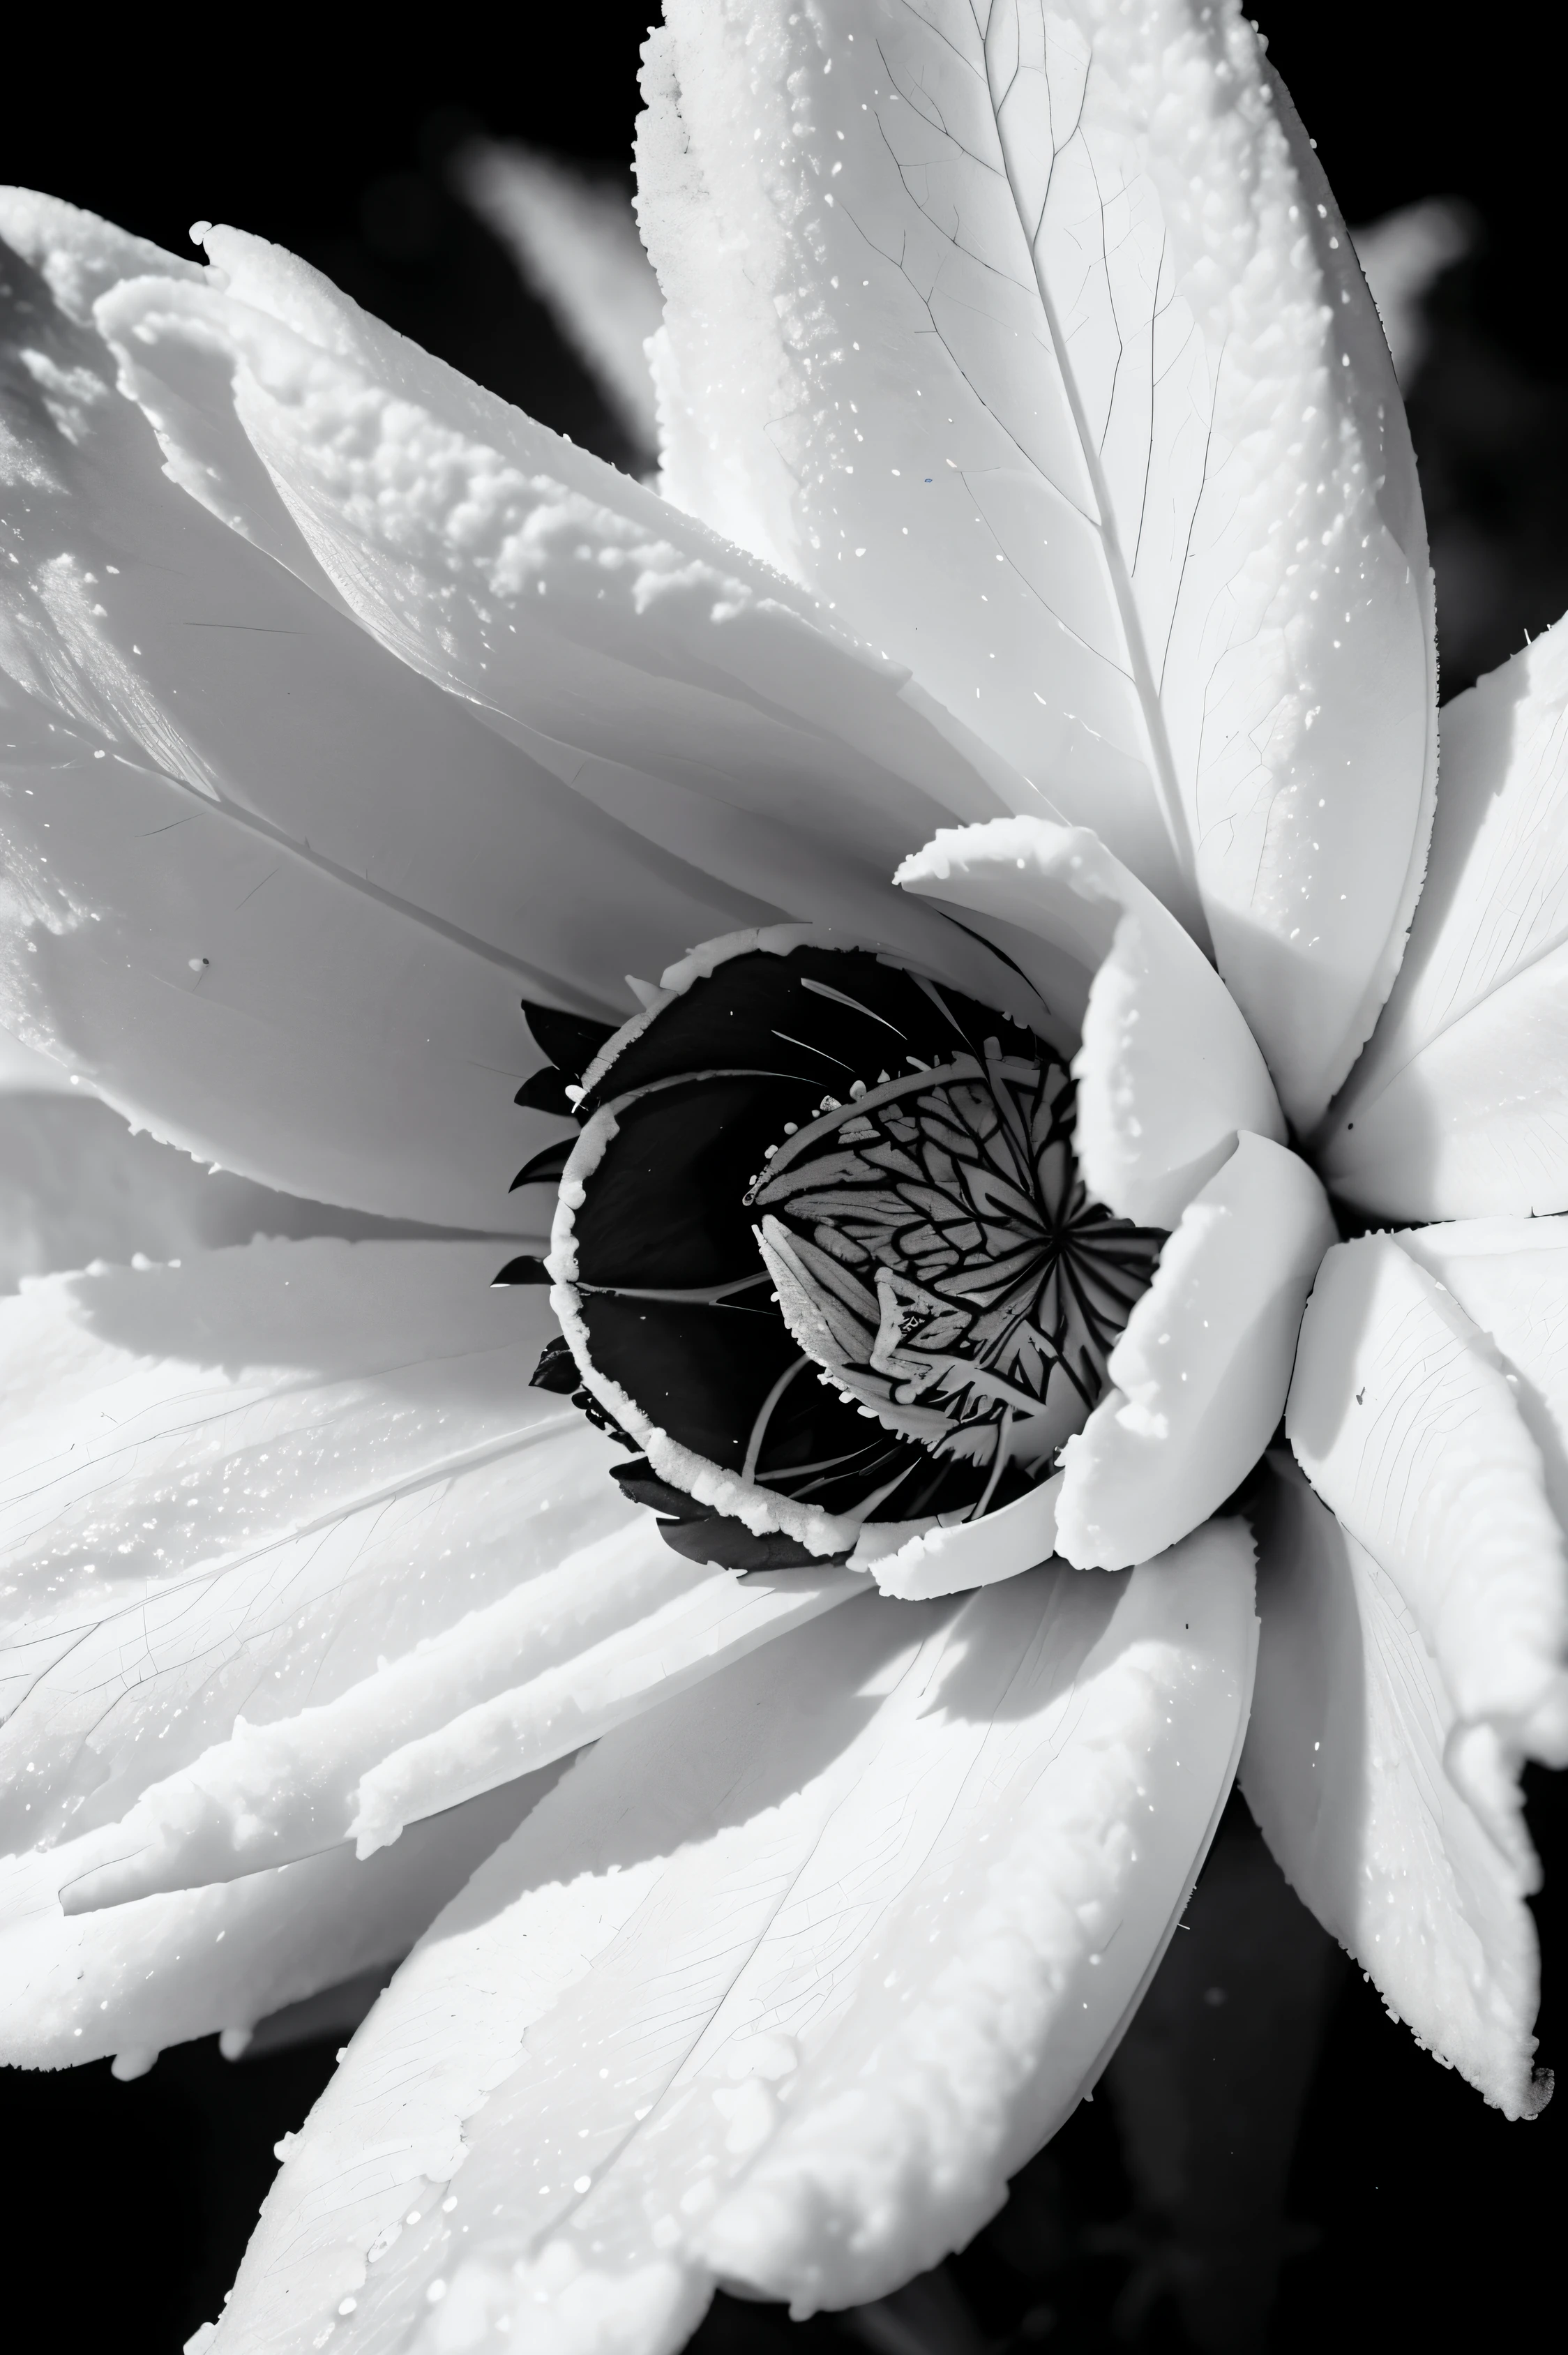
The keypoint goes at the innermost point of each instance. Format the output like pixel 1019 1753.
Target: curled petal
pixel 164 1969
pixel 1458 1107
pixel 1169 1071
pixel 777 1985
pixel 1345 1768
pixel 297 1554
pixel 1202 1369
pixel 927 1562
pixel 1031 336
pixel 1403 1419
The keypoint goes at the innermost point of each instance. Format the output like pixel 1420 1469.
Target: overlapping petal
pixel 287 886
pixel 272 892
pixel 163 1970
pixel 1460 1106
pixel 667 679
pixel 1511 1277
pixel 1033 339
pixel 76 1184
pixel 343 705
pixel 297 1555
pixel 1167 1072
pixel 1201 1372
pixel 1345 1769
pixel 779 1995
pixel 1403 1418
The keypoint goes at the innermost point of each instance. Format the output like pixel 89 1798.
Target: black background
pixel 1415 2213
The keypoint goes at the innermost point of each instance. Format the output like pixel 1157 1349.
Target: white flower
pixel 344 707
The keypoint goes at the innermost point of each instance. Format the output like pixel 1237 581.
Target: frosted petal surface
pixel 777 1985
pixel 1403 1419
pixel 294 1513
pixel 1202 1369
pixel 1033 340
pixel 1460 1106
pixel 671 683
pixel 1345 1770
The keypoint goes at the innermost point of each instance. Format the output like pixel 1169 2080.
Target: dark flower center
pixel 834 1262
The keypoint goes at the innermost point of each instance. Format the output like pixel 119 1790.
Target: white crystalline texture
pixel 646 666
pixel 775 1995
pixel 1032 339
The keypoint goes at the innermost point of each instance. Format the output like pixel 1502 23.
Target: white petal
pixel 1031 336
pixel 276 894
pixel 25 1072
pixel 166 1970
pixel 244 1004
pixel 667 680
pixel 1459 1105
pixel 1344 1769
pixel 76 1185
pixel 1406 1424
pixel 923 1563
pixel 1202 1369
pixel 1510 1276
pixel 778 1984
pixel 574 236
pixel 1168 1072
pixel 293 1514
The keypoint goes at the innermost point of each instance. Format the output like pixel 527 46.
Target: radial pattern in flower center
pixel 932 1241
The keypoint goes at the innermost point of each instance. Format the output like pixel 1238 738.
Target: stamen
pixel 934 1247
pixel 764 1416
pixel 822 989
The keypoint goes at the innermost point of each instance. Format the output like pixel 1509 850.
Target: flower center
pixel 890 1302
pixel 934 1247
